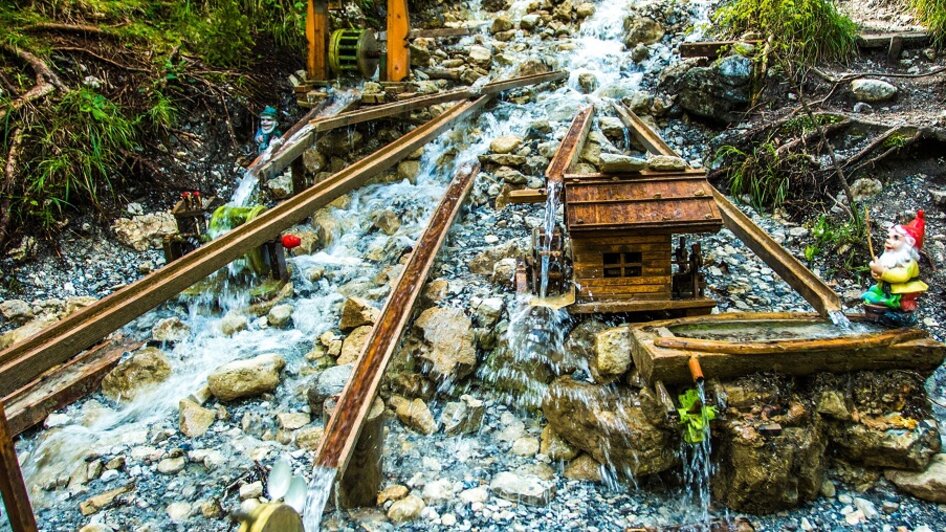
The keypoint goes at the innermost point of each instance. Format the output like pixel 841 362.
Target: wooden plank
pixel 709 48
pixel 399 58
pixel 641 132
pixel 617 237
pixel 625 247
pixel 871 351
pixel 871 341
pixel 643 175
pixel 15 497
pixel 610 307
pixel 572 145
pixel 651 280
pixel 806 283
pixel 913 39
pixel 63 385
pixel 23 362
pixel 316 32
pixel 344 427
pixel 527 195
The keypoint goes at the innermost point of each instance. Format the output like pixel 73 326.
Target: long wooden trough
pixel 735 344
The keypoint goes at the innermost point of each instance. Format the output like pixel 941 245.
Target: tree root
pixel 103 59
pixel 9 176
pixel 46 80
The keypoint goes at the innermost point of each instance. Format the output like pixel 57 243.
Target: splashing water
pixel 839 319
pixel 320 488
pixel 697 471
pixel 553 191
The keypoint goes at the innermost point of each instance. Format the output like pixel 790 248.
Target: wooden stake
pixel 15 497
pixel 399 57
pixel 870 241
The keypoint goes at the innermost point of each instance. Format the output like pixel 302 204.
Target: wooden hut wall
pixel 653 283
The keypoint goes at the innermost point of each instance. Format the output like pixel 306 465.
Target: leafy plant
pixel 932 13
pixel 845 238
pixel 694 416
pixel 763 175
pixel 804 30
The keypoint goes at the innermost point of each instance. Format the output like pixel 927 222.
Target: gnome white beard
pixel 893 259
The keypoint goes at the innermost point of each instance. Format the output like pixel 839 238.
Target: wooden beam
pixel 527 195
pixel 23 362
pixel 709 48
pixel 806 283
pixel 572 144
pixel 399 57
pixel 316 32
pixel 15 497
pixel 910 39
pixel 344 427
pixel 660 305
pixel 881 350
pixel 63 385
pixel 641 132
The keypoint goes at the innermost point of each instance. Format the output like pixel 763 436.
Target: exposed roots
pixel 46 80
pixel 9 176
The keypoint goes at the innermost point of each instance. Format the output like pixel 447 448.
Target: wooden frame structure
pixel 16 499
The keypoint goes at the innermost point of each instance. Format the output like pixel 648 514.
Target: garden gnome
pixel 892 300
pixel 268 129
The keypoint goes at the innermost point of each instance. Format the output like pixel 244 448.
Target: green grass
pixel 846 239
pixel 761 175
pixel 932 14
pixel 807 31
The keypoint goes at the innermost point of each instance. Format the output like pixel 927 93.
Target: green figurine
pixel 268 129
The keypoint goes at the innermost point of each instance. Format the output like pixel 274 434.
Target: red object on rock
pixel 291 241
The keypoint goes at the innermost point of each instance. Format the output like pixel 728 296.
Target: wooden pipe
pixel 695 370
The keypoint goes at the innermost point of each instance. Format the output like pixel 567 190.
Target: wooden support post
pixel 299 182
pixel 398 60
pixel 316 32
pixel 12 488
pixel 361 482
pixel 893 51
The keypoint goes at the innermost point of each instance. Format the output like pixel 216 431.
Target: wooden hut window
pixel 627 264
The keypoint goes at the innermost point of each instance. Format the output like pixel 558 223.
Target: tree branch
pixel 46 80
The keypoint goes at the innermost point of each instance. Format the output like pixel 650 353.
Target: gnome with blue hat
pixel 268 129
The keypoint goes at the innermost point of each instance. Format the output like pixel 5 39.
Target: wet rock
pixel 435 292
pixel 525 446
pixel 279 315
pixel 354 344
pixel 414 414
pixel 529 22
pixel 505 144
pixel 406 509
pixel 253 490
pixel 555 447
pixel 147 231
pixel 641 30
pixel 292 420
pixel 281 187
pixel 478 494
pixel 314 161
pixel 764 474
pixel 563 11
pixel 408 170
pixel 884 445
pixel 170 330
pixel 16 310
pixel 715 92
pixel 524 489
pixel 194 420
pixel 326 226
pixel 501 23
pixel 133 375
pixel 832 403
pixel 484 261
pixel 357 312
pixel 612 352
pixel 462 417
pixel 480 55
pixel 872 90
pixel 171 466
pixel 447 343
pixel 666 163
pixel 439 491
pixel 233 323
pixel 929 485
pixel 585 9
pixel 597 419
pixel 587 82
pixel 103 500
pixel 246 378
pixel 178 512
pixel 387 221
pixel 392 493
pixel 583 468
pixel 488 311
pixel 640 53
pixel 327 384
pixel 615 164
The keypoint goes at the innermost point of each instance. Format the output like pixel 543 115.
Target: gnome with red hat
pixel 897 272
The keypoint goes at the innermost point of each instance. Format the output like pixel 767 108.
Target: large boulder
pixel 145 231
pixel 141 371
pixel 928 485
pixel 328 383
pixel 447 343
pixel 889 441
pixel 246 378
pixel 641 30
pixel 608 424
pixel 872 90
pixel 716 91
pixel 764 473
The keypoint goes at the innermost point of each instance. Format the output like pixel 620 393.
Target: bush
pixel 804 30
pixel 932 13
